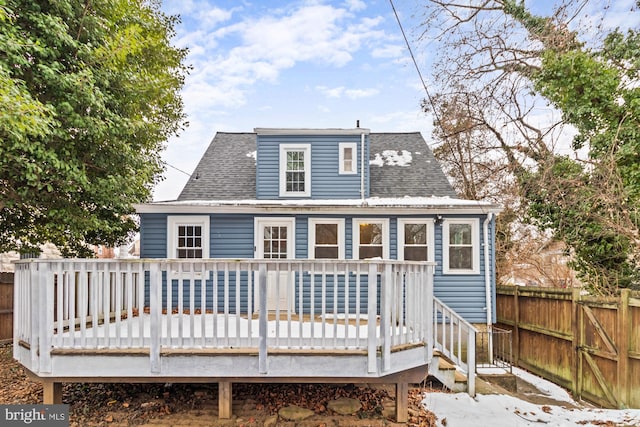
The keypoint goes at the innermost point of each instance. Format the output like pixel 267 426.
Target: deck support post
pixel 402 402
pixel 225 400
pixel 51 393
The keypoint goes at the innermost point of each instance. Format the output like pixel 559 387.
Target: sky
pixel 302 63
pixel 316 64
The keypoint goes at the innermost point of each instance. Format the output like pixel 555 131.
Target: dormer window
pixel 348 158
pixel 295 170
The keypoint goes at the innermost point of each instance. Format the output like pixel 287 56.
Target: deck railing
pixel 158 305
pixel 455 338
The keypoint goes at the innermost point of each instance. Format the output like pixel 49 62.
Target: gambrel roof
pixel 401 164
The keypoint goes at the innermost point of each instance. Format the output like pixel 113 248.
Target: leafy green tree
pixel 592 207
pixel 89 93
pixel 514 61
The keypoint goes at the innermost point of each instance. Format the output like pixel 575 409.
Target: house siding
pixel 153 236
pixel 326 182
pixel 464 293
pixel 232 236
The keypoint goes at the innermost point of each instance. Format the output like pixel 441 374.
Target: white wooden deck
pixel 253 320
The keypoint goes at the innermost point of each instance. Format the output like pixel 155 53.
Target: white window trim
pixel 173 222
pixel 430 238
pixel 274 221
pixel 354 159
pixel 475 242
pixel 284 148
pixel 312 235
pixel 356 235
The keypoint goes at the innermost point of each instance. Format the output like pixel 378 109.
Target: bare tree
pixel 500 136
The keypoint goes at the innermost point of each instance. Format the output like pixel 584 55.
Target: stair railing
pixel 455 338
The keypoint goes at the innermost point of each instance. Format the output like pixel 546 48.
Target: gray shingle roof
pixel 227 171
pixel 422 177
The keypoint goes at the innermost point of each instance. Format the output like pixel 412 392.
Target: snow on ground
pixel 501 410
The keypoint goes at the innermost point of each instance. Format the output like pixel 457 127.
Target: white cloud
pixel 356 5
pixel 360 93
pixel 338 92
pixel 265 46
pixel 388 51
pixel 210 18
pixel 331 92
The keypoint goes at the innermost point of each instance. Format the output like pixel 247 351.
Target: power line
pixel 173 167
pixel 415 63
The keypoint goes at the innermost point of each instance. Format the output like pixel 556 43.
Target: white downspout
pixel 362 169
pixel 487 282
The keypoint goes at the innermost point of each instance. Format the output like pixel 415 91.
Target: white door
pixel 275 240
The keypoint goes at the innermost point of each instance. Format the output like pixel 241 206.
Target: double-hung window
pixel 326 238
pixel 295 170
pixel 188 237
pixel 370 238
pixel 348 158
pixel 415 239
pixel 461 246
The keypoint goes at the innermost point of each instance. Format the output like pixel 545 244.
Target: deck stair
pixel 454 358
pixel 444 370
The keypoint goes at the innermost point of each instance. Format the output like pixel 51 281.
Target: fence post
pixel 577 326
pixel 623 340
pixel 7 292
pixel 516 328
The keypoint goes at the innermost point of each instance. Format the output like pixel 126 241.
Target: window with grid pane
pixel 189 241
pixel 275 242
pixel 188 236
pixel 295 170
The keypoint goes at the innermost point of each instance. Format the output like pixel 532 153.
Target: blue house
pixel 330 194
pixel 291 255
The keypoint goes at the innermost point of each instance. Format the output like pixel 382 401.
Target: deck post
pixel 386 295
pixel 51 392
pixel 262 320
pixel 225 399
pixel 372 299
pixel 36 309
pixel 155 310
pixel 402 402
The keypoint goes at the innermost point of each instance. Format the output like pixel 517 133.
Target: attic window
pixel 348 158
pixel 295 170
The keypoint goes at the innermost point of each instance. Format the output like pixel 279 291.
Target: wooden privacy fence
pixel 6 307
pixel 589 345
